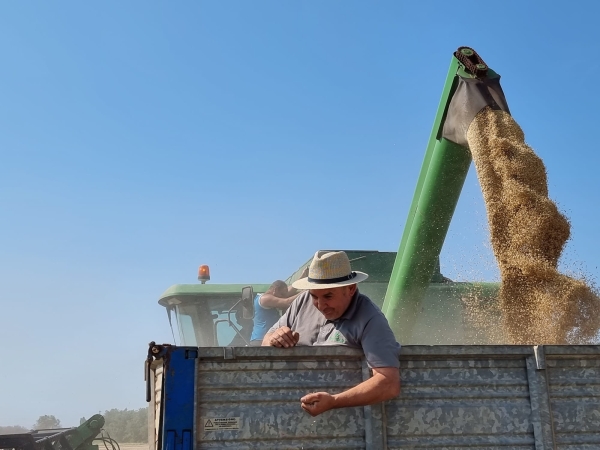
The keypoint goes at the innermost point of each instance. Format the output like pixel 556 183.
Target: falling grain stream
pixel 538 304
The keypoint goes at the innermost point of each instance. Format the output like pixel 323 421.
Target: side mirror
pixel 248 302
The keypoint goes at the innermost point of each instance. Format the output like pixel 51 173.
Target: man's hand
pixel 383 385
pixel 282 337
pixel 317 403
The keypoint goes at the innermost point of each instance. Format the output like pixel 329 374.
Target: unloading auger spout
pixel 470 86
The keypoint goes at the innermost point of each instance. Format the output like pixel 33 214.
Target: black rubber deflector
pixel 470 97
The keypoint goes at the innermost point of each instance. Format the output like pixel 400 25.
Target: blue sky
pixel 141 139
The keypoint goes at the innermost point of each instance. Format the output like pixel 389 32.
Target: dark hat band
pixel 332 280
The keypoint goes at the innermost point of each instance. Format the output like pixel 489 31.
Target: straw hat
pixel 329 270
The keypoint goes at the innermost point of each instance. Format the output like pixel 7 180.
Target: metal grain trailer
pixel 453 397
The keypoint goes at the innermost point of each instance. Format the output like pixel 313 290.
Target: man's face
pixel 332 302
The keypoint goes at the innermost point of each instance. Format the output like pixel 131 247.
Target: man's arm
pixel 383 385
pixel 271 301
pixel 293 291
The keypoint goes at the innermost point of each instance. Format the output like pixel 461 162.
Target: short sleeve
pixel 379 343
pixel 286 320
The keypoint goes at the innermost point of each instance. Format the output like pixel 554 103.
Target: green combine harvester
pixel 422 306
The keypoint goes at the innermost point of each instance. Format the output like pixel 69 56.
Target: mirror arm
pixel 232 325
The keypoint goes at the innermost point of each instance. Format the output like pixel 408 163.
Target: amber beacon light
pixel 203 273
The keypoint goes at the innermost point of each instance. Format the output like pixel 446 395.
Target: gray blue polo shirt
pixel 362 325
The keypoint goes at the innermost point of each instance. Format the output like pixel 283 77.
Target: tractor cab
pixel 212 315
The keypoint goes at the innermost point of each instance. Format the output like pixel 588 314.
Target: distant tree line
pixel 123 425
pixel 13 429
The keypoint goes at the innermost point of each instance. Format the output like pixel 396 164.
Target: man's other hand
pixel 317 403
pixel 284 337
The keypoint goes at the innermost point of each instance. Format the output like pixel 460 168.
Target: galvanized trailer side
pixel 485 397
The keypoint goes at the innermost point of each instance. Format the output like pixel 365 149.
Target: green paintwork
pixel 445 167
pixel 392 293
pixel 180 292
pixel 81 437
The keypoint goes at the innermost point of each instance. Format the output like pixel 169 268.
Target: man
pixel 267 306
pixel 333 312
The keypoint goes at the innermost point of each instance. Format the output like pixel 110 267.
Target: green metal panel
pixel 424 239
pixel 442 176
pixel 449 88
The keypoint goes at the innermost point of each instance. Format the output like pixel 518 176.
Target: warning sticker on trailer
pixel 221 423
